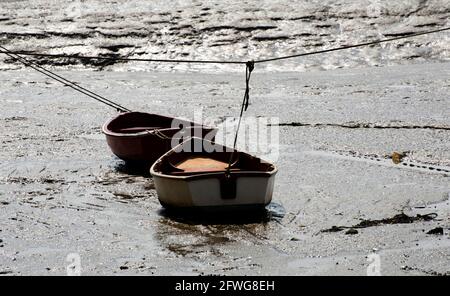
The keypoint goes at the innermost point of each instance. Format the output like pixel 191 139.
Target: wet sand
pixel 62 191
pixel 225 30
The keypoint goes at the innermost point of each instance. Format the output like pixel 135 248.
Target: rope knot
pixel 250 65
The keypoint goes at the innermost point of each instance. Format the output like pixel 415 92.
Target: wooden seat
pixel 201 164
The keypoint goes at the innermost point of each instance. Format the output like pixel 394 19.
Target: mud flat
pixel 62 191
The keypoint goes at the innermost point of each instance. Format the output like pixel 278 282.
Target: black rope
pixel 249 66
pixel 230 62
pixel 62 80
pixel 351 46
pixel 126 59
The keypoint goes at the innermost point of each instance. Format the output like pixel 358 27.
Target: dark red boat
pixel 143 137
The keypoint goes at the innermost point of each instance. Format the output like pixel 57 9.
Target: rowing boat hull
pixel 207 192
pixel 213 190
pixel 146 146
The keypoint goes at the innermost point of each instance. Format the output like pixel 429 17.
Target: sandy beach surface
pixel 62 191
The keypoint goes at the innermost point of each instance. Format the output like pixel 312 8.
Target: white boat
pixel 188 178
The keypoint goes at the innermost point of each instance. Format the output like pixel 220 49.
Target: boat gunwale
pixel 109 132
pixel 214 174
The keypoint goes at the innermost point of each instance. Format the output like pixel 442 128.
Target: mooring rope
pixel 351 46
pixel 63 80
pixel 123 59
pixel 249 66
pixel 231 62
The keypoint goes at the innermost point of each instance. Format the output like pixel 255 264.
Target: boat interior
pixel 193 163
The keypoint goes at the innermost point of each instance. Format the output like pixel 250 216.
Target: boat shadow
pixel 272 212
pixel 133 168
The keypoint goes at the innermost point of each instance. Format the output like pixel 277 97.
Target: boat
pixel 142 138
pixel 189 178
